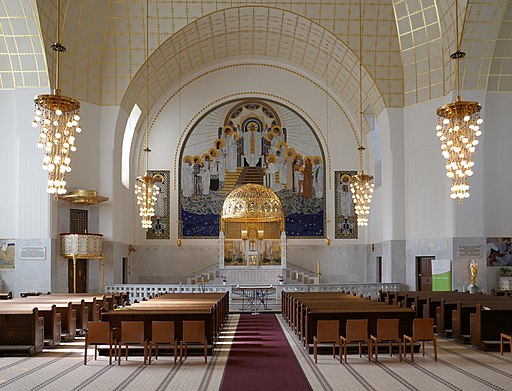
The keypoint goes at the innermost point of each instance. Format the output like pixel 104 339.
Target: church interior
pixel 271 165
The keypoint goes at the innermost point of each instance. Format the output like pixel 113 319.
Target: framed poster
pixel 160 228
pixel 7 253
pixel 345 214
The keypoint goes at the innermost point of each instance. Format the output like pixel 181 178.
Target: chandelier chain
pixel 361 185
pixel 57 117
pixel 146 189
pixel 458 128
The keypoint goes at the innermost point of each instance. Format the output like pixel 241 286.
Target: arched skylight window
pixel 127 145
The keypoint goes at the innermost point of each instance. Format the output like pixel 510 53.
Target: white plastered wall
pixel 248 77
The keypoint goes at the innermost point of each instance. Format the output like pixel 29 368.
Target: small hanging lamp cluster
pixel 362 184
pixel 146 188
pixel 58 118
pixel 458 129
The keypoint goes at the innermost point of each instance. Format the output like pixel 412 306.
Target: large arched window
pixel 127 145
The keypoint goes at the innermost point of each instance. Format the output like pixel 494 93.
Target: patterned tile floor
pixel 458 367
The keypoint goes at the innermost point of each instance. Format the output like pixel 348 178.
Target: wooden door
pixel 81 276
pixel 424 273
pixel 78 221
pixel 125 270
pixel 379 269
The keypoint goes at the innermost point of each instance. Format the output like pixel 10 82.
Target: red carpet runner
pixel 261 358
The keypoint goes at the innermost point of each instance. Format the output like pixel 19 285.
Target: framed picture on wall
pixel 499 252
pixel 7 253
pixel 160 228
pixel 345 214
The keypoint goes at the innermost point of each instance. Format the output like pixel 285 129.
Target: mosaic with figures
pixel 346 218
pixel 160 228
pixel 252 141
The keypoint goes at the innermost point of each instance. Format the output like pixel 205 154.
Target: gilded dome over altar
pixel 252 202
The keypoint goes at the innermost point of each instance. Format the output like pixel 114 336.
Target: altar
pixel 252 240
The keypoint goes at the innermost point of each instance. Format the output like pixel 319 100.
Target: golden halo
pixel 308 158
pixel 290 152
pixel 227 130
pixel 297 156
pixel 317 158
pixel 217 141
pixel 207 155
pixel 190 159
pixel 270 135
pixel 271 158
pixel 199 159
pixel 236 136
pixel 276 129
pixel 281 145
pixel 214 152
pixel 158 177
pixel 346 176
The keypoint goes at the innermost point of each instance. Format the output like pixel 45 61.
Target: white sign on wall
pixel 33 252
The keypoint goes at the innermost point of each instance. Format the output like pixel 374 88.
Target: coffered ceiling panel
pixel 105 38
pixel 22 57
pixel 406 43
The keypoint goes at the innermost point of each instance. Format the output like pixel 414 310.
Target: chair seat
pixel 132 336
pixel 356 332
pixel 193 332
pixel 327 332
pixel 503 338
pixel 422 330
pixel 98 333
pixel 162 334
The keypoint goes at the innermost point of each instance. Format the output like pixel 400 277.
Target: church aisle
pixel 261 358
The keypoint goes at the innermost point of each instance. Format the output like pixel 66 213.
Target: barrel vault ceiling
pixel 406 44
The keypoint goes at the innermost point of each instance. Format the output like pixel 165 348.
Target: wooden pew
pixel 487 323
pixel 21 331
pixel 305 309
pixel 212 308
pixel 444 313
pixel 48 311
pixel 65 309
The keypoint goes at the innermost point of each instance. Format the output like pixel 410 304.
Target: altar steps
pixel 231 180
pixel 251 175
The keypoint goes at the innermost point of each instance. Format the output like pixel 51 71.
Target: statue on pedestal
pixel 473 268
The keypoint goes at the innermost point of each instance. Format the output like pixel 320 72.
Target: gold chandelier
pixel 57 116
pixel 146 188
pixel 458 129
pixel 362 184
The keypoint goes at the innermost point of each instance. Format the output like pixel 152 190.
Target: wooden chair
pixel 98 333
pixel 327 331
pixel 422 330
pixel 357 332
pixel 503 337
pixel 194 332
pixel 162 332
pixel 132 333
pixel 387 331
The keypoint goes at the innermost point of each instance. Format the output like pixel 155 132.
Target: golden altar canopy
pixel 252 228
pixel 252 203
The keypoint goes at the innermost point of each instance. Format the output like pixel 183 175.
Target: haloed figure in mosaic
pixel 318 177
